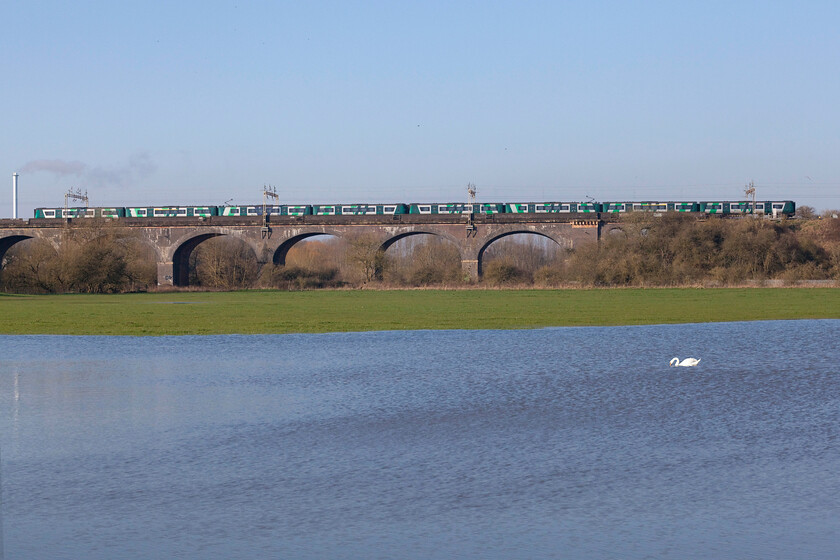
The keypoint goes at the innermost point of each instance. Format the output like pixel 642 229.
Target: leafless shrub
pixel 96 257
pixel 423 260
pixel 503 272
pixel 525 252
pixel 30 266
pixel 291 277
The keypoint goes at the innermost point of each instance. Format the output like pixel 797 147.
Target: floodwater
pixel 552 443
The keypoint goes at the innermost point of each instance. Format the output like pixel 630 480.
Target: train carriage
pixel 551 207
pixel 775 208
pixel 429 208
pixel 519 207
pixel 172 211
pixel 780 207
pixel 614 207
pixel 257 210
pixel 453 208
pixel 237 211
pixel 80 212
pixel 489 208
pixel 683 206
pixel 588 207
pixel 769 208
pixel 739 208
pixel 325 209
pixel 655 206
pixel 457 208
pixel 710 207
pixel 538 207
pixel 296 210
pixel 647 206
pixel 360 210
pixel 270 209
pixel 372 209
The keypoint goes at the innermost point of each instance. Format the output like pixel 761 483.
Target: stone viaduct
pixel 174 239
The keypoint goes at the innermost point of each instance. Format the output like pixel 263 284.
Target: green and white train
pixel 777 208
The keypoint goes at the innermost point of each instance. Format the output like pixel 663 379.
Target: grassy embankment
pixel 336 311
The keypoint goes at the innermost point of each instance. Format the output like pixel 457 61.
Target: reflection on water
pixel 556 443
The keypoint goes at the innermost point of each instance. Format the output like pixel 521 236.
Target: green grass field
pixel 271 312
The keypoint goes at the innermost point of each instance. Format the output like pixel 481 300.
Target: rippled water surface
pixel 555 443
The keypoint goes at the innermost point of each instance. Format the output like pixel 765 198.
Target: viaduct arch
pixel 560 241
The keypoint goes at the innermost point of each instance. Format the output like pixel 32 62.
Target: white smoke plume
pixel 139 167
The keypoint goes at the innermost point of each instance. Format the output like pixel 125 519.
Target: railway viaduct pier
pixel 174 239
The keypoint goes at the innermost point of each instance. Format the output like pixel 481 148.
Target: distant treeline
pixel 669 250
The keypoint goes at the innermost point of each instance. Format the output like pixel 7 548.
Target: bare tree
pixel 365 255
pixel 806 212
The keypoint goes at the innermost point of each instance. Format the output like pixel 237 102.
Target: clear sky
pixel 204 102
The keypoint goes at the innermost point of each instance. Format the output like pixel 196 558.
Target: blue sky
pixel 204 102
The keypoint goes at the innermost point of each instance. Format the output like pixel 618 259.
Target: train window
pixel 49 213
pixel 778 205
pixel 183 211
pixel 389 209
pixel 141 212
pixel 425 209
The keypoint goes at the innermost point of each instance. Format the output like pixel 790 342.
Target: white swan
pixel 688 362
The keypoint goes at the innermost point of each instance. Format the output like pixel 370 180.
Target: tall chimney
pixel 14 196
